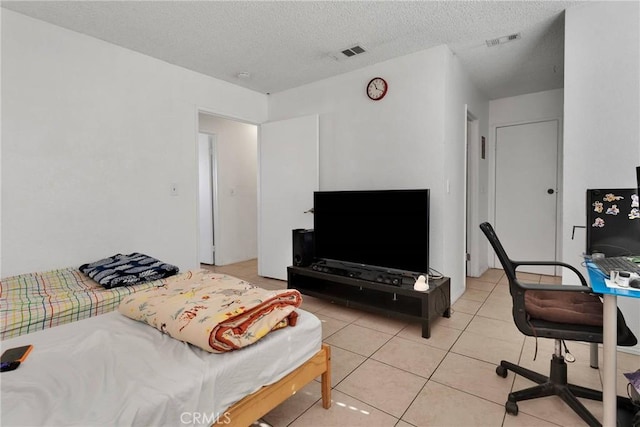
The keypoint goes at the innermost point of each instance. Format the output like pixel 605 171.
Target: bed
pixel 112 370
pixel 36 301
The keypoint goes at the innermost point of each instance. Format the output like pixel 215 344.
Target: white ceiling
pixel 285 44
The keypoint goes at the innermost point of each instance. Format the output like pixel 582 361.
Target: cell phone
pixel 8 366
pixel 17 354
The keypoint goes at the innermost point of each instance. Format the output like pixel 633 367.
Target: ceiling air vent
pixel 503 40
pixel 353 51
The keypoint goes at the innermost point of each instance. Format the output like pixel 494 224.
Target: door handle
pixel 308 211
pixel 550 191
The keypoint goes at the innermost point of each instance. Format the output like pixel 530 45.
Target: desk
pixel 610 339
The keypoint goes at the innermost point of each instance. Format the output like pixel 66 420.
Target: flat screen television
pixel 613 221
pixel 383 228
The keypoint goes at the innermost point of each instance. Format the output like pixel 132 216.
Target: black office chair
pixel 559 312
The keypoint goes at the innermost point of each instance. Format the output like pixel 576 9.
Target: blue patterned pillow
pixel 124 270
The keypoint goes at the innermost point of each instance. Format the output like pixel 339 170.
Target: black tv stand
pixel 400 301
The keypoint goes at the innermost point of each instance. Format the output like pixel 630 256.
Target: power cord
pixel 435 274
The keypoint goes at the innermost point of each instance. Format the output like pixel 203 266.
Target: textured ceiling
pixel 285 44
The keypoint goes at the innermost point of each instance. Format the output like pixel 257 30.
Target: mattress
pixel 112 370
pixel 36 301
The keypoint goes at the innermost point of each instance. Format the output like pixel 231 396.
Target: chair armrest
pixel 564 288
pixel 516 264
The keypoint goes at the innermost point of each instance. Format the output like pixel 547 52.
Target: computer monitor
pixel 613 222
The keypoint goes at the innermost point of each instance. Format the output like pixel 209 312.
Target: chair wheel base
pixel 511 407
pixel 501 371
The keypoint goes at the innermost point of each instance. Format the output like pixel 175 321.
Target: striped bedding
pixel 36 301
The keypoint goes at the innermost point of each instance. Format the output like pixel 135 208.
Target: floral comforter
pixel 215 312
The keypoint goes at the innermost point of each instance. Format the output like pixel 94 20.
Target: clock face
pixel 377 88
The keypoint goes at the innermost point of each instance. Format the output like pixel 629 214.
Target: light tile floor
pixel 386 374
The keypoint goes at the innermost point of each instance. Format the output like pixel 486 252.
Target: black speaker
pixel 302 247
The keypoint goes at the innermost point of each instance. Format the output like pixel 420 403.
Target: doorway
pixel 207 191
pixel 472 190
pixel 229 233
pixel 526 191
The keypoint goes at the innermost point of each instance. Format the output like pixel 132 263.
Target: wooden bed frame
pixel 257 404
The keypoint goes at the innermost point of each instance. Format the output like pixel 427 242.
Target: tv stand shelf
pixel 397 301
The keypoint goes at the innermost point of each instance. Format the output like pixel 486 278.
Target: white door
pixel 526 192
pixel 288 176
pixel 206 174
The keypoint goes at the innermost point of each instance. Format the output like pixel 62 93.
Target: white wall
pixel 525 108
pixel 237 160
pixel 462 96
pixel 413 138
pixel 1 275
pixel 92 137
pixel 602 107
